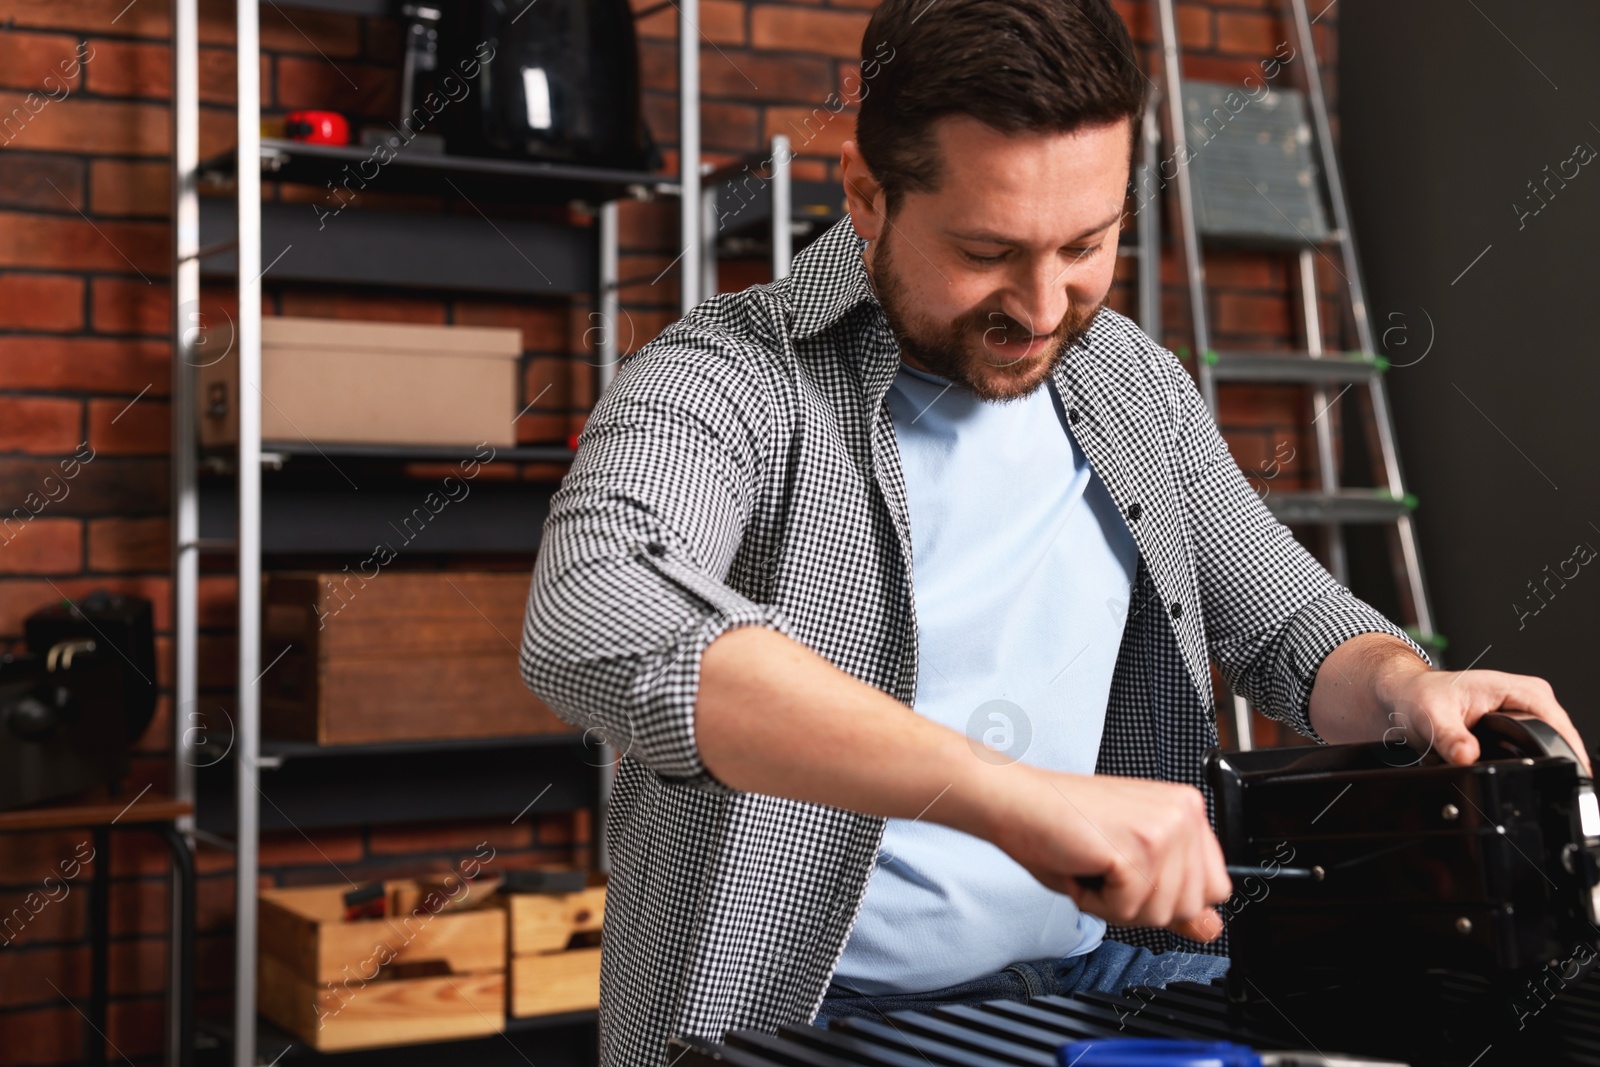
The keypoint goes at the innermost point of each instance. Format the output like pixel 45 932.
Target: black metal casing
pixel 1418 864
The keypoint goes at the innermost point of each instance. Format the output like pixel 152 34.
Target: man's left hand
pixel 1373 687
pixel 1437 709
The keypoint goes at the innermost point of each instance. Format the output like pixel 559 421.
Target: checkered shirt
pixel 741 469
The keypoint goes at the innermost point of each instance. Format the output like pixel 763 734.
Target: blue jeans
pixel 1111 968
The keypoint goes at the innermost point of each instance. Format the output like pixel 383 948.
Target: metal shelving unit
pixel 298 778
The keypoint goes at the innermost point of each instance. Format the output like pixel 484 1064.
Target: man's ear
pixel 863 195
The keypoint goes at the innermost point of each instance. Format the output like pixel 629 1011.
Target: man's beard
pixel 955 351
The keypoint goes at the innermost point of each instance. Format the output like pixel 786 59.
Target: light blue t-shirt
pixel 1022 569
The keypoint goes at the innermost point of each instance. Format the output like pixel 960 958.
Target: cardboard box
pixel 330 381
pixel 345 985
pixel 555 964
pixel 401 656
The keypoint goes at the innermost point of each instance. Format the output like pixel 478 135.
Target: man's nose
pixel 1038 299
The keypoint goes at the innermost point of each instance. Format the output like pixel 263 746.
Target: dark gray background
pixel 1445 118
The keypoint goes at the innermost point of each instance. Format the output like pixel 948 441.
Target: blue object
pixel 1022 571
pixel 1155 1052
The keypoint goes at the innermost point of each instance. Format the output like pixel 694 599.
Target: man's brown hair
pixel 1044 66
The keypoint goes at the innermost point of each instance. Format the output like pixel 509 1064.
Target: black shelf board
pixel 517 454
pixel 564 1040
pixel 407 783
pixel 287 750
pixel 316 510
pixel 466 252
pixel 744 206
pixel 414 170
pixel 404 453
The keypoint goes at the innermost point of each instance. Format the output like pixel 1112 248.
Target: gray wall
pixel 1445 120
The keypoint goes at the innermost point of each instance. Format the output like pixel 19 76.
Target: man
pixel 894 583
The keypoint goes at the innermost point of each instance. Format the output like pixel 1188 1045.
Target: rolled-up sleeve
pixel 628 587
pixel 1272 612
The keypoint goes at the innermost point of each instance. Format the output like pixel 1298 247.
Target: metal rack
pixel 243 246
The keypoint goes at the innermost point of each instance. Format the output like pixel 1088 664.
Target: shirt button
pixel 656 548
pixel 1134 511
pixel 1072 415
pixel 1177 610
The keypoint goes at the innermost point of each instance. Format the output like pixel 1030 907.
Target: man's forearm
pixel 774 717
pixel 1348 697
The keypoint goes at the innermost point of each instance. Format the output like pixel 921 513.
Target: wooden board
pixel 545 922
pixel 546 983
pixel 399 655
pixel 353 1014
pixel 303 928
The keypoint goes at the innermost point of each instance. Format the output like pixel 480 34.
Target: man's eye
pixel 973 257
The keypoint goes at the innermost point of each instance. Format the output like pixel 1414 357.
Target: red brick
pixel 45 1035
pixel 543 322
pixel 1254 406
pixel 73 243
pixel 818 131
pixel 1227 69
pixel 721 22
pixel 89 16
pixel 731 127
pixel 76 124
pixel 309 33
pixel 42 425
pixel 36 181
pixel 1248 34
pixel 546 384
pixel 78 363
pixel 41 546
pixel 123 427
pixel 130 68
pixel 534 428
pixel 21 597
pixel 323 848
pixel 136 1028
pixel 41 302
pixel 123 187
pixel 28 859
pixel 1139 19
pixel 349 88
pixel 1194 26
pixel 1246 314
pixel 129 544
pixel 648 324
pixel 219 600
pixel 48 919
pixel 829 33
pixel 456 838
pixel 40 62
pixel 327 304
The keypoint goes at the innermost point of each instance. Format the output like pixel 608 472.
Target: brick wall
pixel 84 307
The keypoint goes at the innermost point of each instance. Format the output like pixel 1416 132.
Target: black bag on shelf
pixel 554 80
pixel 76 701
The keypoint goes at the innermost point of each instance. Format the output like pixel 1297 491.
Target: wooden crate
pixel 342 985
pixel 547 974
pixel 402 655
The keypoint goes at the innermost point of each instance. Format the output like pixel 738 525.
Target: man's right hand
pixel 1133 851
pixel 774 717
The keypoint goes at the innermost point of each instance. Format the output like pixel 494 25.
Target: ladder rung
pixel 1293 367
pixel 1343 506
pixel 1241 241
